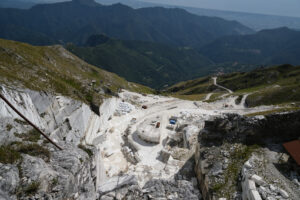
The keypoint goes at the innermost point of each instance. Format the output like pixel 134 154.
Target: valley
pixel 146 103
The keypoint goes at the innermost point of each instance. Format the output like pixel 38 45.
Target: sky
pixel 275 7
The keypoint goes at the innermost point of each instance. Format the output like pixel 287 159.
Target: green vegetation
pixel 12 153
pixel 239 99
pixel 237 159
pixel 197 86
pixel 267 86
pixel 215 97
pixel 34 150
pixel 278 110
pixel 9 127
pixel 9 155
pixel 32 136
pixel 54 69
pixel 196 97
pixel 147 63
pixel 20 122
pixel 32 188
pixel 88 151
pixel 266 47
pixel 74 22
pixel 54 182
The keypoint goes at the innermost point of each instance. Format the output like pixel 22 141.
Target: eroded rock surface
pixel 34 168
pixel 226 144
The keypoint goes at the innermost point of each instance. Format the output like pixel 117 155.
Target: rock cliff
pixel 32 168
pixel 235 152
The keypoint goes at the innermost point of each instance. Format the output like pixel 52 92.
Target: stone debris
pixel 124 108
pixel 258 180
pixel 117 182
pixel 283 193
pixel 155 189
pixel 255 188
pixel 131 156
pixel 254 195
pixel 164 156
pixel 225 137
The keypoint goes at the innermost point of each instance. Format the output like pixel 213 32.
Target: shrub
pixel 21 122
pixel 32 136
pixel 32 188
pixel 34 150
pixel 8 155
pixel 9 127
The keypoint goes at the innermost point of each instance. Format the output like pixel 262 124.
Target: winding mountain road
pixel 215 83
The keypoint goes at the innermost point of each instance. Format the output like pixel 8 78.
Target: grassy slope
pixel 274 85
pixel 54 69
pixel 143 62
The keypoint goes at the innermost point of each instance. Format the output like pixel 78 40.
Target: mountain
pixel 147 63
pixel 16 4
pixel 274 46
pixel 75 21
pixel 253 20
pixel 263 86
pixel 54 69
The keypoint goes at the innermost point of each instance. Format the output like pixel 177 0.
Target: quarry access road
pixel 216 84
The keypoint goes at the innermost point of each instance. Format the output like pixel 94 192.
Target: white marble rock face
pixel 67 122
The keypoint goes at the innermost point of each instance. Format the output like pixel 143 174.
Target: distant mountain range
pixel 155 65
pixel 16 4
pixel 252 20
pixel 151 46
pixel 76 20
pixel 267 47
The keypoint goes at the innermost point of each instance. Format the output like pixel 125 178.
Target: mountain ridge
pixel 75 22
pixel 54 69
pixel 147 63
pixel 266 47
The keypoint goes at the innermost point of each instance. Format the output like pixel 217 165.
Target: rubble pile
pixel 124 108
pixel 154 189
pixel 255 187
pixel 224 147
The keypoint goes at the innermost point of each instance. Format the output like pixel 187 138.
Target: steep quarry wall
pixel 225 145
pixel 32 168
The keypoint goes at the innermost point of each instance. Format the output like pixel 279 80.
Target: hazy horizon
pixel 269 7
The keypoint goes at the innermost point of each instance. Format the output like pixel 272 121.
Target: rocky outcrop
pixel 255 187
pixel 9 181
pixel 43 171
pixel 227 142
pixel 155 189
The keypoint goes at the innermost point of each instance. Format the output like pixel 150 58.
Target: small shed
pixel 293 148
